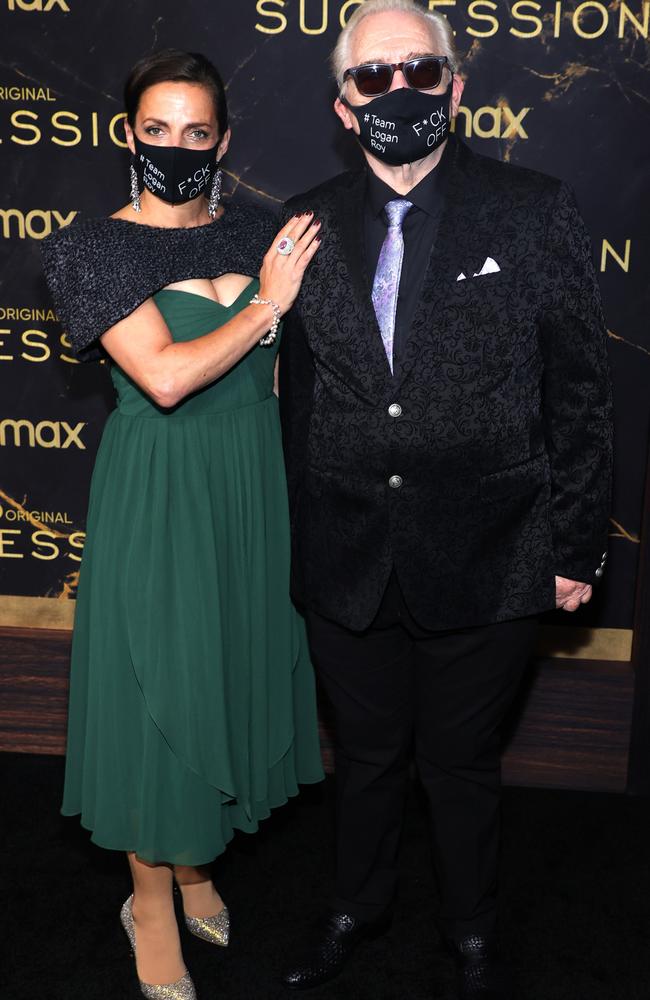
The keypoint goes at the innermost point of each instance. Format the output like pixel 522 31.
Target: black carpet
pixel 575 882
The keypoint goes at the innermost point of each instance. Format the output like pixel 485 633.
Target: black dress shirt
pixel 420 228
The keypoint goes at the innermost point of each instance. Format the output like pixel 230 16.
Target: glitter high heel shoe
pixel 183 989
pixel 214 929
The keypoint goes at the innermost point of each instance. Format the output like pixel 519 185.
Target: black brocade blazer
pixel 502 445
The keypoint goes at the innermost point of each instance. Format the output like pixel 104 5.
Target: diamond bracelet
pixel 269 338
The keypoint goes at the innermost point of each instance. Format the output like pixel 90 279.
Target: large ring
pixel 285 246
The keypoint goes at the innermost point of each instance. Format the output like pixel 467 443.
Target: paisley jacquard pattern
pixel 503 440
pixel 385 289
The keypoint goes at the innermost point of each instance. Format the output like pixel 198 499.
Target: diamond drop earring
pixel 215 193
pixel 135 191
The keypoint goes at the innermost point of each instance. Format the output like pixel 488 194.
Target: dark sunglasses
pixel 375 79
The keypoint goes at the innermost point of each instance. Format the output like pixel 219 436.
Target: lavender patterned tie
pixel 389 268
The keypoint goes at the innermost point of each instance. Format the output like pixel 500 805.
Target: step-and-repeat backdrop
pixel 563 87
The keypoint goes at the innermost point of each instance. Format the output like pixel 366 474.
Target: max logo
pixel 41 5
pixel 37 224
pixel 46 434
pixel 492 123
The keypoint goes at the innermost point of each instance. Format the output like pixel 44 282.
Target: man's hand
pixel 570 594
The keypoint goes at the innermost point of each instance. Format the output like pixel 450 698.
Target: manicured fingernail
pixel 317 222
pixel 309 212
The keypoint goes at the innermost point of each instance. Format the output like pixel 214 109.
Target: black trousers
pixel 398 691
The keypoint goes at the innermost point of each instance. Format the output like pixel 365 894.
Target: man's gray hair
pixel 438 23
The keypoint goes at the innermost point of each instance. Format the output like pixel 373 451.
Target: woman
pixel 192 706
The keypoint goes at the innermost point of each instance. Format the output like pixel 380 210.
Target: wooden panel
pixel 33 690
pixel 570 728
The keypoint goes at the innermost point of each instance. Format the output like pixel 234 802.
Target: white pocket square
pixel 490 267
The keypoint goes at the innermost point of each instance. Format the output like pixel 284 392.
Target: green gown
pixel 192 706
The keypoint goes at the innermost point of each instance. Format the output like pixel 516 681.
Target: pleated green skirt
pixel 192 704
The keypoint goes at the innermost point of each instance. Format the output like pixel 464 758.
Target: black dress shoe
pixel 332 942
pixel 482 973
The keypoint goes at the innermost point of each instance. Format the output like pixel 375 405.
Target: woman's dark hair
pixel 175 66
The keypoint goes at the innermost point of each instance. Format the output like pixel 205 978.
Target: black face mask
pixel 404 125
pixel 174 173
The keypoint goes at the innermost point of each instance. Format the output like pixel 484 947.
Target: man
pixel 446 410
